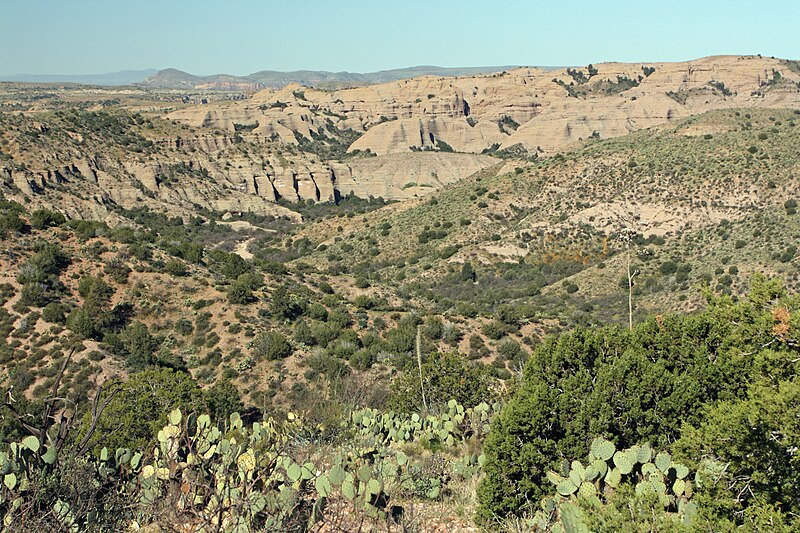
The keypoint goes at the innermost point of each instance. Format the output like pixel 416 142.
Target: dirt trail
pixel 241 249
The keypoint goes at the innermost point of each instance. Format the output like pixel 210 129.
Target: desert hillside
pixel 542 111
pixel 92 152
pixel 557 301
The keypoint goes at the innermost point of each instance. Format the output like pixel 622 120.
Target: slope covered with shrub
pixel 716 388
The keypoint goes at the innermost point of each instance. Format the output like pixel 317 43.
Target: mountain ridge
pixel 172 78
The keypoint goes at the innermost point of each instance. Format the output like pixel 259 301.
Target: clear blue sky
pixel 243 36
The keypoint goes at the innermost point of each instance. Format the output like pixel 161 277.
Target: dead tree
pixel 57 417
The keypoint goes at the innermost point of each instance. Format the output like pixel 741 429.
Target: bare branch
pixel 97 411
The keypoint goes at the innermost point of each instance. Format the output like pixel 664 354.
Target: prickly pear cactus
pixel 605 470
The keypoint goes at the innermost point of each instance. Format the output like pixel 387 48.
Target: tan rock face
pixel 215 172
pixel 551 109
pixel 405 175
pixel 401 135
pixel 293 143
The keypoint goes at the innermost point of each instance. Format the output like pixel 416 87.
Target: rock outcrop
pixel 214 172
pixel 544 111
pixel 394 140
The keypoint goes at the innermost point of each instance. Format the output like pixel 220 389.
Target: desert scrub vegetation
pixel 578 441
pixel 745 341
pixel 228 464
pixel 365 322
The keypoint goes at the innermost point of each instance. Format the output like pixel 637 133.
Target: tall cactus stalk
pixel 419 365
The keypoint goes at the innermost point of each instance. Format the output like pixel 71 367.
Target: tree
pixel 241 290
pixel 138 345
pixel 229 265
pixel 34 294
pixel 82 322
pixel 753 439
pixel 222 399
pixel 444 377
pixel 55 313
pixel 240 293
pixel 468 273
pixel 44 218
pixel 581 385
pixel 46 264
pixel 285 305
pixel 134 416
pixel 96 292
pixel 10 221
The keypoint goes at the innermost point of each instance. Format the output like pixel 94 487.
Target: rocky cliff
pixel 542 111
pixel 62 161
pixel 396 140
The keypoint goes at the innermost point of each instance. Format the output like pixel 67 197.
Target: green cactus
pixel 602 449
pixel 663 461
pixel 613 477
pixel 566 487
pixel 678 487
pixel 645 454
pixel 571 519
pixel 624 461
pixel 681 471
pixel 587 490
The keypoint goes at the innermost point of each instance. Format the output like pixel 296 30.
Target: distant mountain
pixel 123 77
pixel 177 79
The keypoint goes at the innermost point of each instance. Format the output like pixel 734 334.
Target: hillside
pixel 705 196
pixel 124 327
pixel 92 163
pixel 95 152
pixel 708 200
pixel 527 111
pixel 517 301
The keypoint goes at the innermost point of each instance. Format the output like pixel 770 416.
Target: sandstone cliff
pixel 91 175
pixel 540 110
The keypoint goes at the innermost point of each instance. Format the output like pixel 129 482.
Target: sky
pixel 243 36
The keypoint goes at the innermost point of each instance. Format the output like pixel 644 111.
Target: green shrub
pixel 240 293
pixel 82 322
pixel 55 313
pixel 43 218
pixel 11 222
pixel 138 345
pixel 140 408
pixel 579 385
pixel 511 350
pixel 494 330
pixel 117 270
pixel 287 305
pixel 95 291
pixel 303 334
pixel 668 267
pixel 444 377
pixel 176 267
pixel 34 294
pixel 271 345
